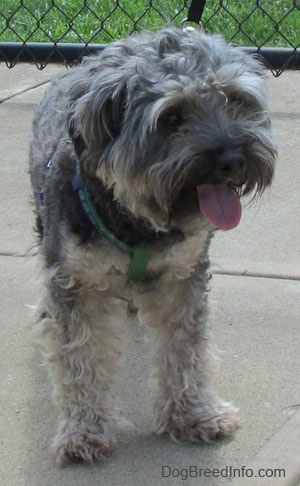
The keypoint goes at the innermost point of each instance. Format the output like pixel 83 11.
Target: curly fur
pixel 149 119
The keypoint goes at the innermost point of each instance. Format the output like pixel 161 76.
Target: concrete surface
pixel 255 320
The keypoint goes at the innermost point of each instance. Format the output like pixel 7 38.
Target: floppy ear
pixel 96 117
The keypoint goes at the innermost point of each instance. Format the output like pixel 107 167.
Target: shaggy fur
pixel 150 120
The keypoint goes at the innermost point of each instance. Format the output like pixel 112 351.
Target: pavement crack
pixel 247 273
pixel 25 90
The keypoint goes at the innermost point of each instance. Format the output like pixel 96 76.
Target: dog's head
pixel 171 120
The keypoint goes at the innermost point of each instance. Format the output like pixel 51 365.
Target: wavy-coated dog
pixel 138 156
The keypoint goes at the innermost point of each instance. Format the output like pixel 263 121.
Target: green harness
pixel 140 257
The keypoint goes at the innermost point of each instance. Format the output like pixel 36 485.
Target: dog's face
pixel 174 120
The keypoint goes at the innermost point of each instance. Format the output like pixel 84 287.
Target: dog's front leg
pixel 185 403
pixel 77 329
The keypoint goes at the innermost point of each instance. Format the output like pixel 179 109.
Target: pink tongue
pixel 220 205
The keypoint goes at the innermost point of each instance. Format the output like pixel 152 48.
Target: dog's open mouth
pixel 220 204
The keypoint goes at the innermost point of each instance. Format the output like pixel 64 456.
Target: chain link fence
pixel 64 30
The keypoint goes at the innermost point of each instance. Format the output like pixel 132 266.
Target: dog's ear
pixel 76 138
pixel 96 117
pixel 112 114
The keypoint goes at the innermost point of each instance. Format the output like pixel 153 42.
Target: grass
pixel 245 22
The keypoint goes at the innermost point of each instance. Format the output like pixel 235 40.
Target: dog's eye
pixel 243 100
pixel 170 121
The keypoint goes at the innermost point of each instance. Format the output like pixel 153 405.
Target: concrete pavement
pixel 255 301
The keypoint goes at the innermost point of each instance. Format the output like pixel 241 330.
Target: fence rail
pixel 62 31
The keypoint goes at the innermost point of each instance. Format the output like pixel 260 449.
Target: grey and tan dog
pixel 138 155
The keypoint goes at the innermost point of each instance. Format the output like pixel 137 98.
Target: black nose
pixel 219 165
pixel 229 164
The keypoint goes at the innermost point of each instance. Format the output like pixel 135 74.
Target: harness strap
pixel 140 256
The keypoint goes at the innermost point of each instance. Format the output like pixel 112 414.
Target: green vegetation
pixel 245 22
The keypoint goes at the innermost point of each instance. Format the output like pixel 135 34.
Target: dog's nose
pixel 230 164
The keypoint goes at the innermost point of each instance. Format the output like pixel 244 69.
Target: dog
pixel 139 154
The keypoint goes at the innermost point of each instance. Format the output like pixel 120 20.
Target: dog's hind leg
pixel 185 403
pixel 77 328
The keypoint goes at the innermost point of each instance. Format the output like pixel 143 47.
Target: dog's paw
pixel 202 425
pixel 222 423
pixel 80 447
